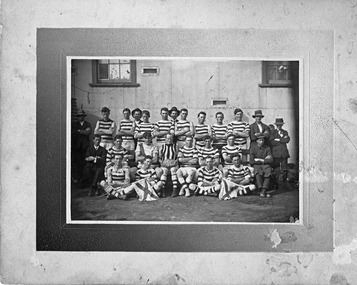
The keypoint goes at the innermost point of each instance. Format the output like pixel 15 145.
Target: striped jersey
pixel 208 175
pixel 145 174
pixel 113 151
pixel 163 126
pixel 126 125
pixel 204 152
pixel 180 125
pixel 202 130
pixel 168 151
pixel 105 125
pixel 240 127
pixel 118 175
pixel 238 173
pixel 142 128
pixel 230 150
pixel 187 152
pixel 219 130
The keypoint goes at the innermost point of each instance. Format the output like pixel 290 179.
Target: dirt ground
pixel 283 204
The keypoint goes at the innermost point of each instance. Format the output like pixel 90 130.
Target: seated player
pixel 209 178
pixel 119 149
pixel 147 172
pixel 261 159
pixel 146 148
pixel 207 150
pixel 188 161
pixel 169 164
pixel 227 152
pixel 95 163
pixel 239 181
pixel 117 179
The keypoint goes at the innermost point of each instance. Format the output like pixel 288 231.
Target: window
pixel 276 74
pixel 114 73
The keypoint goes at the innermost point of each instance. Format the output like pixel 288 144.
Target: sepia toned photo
pixel 183 140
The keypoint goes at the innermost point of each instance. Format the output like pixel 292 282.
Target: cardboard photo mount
pixel 313 50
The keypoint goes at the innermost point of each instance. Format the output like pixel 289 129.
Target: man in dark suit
pixel 258 128
pixel 261 159
pixel 80 142
pixel 278 142
pixel 94 168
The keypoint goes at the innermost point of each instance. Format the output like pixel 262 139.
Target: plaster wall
pixel 20 263
pixel 192 84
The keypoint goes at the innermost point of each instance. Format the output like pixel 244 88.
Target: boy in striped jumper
pixel 188 161
pixel 227 152
pixel 183 128
pixel 117 179
pixel 105 128
pixel 201 130
pixel 168 162
pixel 163 127
pixel 208 150
pixel 126 129
pixel 239 181
pixel 240 130
pixel 209 178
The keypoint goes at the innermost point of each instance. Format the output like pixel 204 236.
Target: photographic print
pixel 182 140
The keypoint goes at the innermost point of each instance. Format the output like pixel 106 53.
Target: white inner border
pixel 303 66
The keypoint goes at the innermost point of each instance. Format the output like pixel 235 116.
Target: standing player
pixel 105 128
pixel 143 127
pixel 126 129
pixel 219 133
pixel 183 128
pixel 201 130
pixel 162 127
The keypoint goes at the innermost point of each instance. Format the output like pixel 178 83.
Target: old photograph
pixel 183 140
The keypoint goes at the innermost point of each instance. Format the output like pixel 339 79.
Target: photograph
pixel 183 140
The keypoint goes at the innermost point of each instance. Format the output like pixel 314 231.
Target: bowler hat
pixel 279 121
pixel 81 113
pixel 174 109
pixel 258 113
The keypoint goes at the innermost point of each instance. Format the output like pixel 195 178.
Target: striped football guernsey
pixel 126 125
pixel 238 173
pixel 208 175
pixel 105 125
pixel 142 128
pixel 219 130
pixel 230 150
pixel 204 152
pixel 163 126
pixel 188 152
pixel 180 125
pixel 168 151
pixel 145 174
pixel 201 130
pixel 118 175
pixel 113 151
pixel 240 127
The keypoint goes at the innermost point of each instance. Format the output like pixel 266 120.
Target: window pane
pixel 283 72
pixel 114 71
pixel 114 61
pixel 272 72
pixel 124 61
pixel 125 71
pixel 103 71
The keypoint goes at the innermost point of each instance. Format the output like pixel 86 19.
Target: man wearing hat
pixel 80 142
pixel 258 128
pixel 261 159
pixel 105 128
pixel 279 139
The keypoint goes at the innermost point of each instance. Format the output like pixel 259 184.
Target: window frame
pixel 96 82
pixel 266 82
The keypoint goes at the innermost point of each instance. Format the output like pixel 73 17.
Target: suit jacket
pixel 101 152
pixel 80 141
pixel 279 148
pixel 255 129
